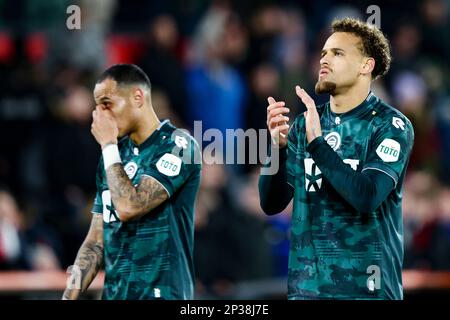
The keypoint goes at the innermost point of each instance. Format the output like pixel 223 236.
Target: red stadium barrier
pixel 419 280
pixel 23 281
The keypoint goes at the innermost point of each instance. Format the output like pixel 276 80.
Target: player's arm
pixel 88 261
pixel 132 202
pixel 274 190
pixel 129 201
pixel 364 191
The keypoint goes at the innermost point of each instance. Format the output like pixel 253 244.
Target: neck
pixel 145 127
pixel 345 101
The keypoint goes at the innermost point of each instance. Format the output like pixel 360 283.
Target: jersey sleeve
pixel 391 147
pixel 97 207
pixel 173 166
pixel 292 151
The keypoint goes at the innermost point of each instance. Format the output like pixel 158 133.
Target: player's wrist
pixel 70 294
pixel 316 143
pixel 111 155
pixel 311 136
pixel 277 143
pixel 105 144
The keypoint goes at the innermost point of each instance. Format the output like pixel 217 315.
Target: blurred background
pixel 215 61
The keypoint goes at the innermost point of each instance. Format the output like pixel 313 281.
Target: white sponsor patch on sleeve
pixel 169 165
pixel 131 169
pixel 389 150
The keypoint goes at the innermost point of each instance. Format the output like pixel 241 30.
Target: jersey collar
pixel 363 107
pixel 151 138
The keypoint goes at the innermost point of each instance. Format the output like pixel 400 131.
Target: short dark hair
pixel 125 74
pixel 373 42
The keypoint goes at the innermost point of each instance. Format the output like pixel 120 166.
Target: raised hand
pixel 104 126
pixel 277 122
pixel 313 127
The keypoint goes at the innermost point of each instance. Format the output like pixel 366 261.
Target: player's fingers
pixel 94 120
pixel 280 117
pixel 275 120
pixel 281 129
pixel 300 93
pixel 306 99
pixel 107 115
pixel 271 100
pixel 277 111
pixel 275 105
pixel 102 110
pixel 99 114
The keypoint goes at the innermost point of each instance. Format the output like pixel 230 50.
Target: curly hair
pixel 373 43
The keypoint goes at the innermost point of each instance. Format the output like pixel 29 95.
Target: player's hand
pixel 277 122
pixel 313 127
pixel 104 126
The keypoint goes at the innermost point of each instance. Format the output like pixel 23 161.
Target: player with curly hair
pixel 344 163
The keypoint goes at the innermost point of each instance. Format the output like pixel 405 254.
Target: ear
pixel 367 66
pixel 138 97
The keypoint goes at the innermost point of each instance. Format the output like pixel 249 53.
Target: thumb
pixel 271 100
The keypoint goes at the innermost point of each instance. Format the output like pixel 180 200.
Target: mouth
pixel 323 72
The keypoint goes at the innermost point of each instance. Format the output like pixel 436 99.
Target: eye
pixel 339 53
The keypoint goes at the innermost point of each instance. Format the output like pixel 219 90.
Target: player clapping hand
pixel 277 122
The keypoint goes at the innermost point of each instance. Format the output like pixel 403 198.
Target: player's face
pixel 116 100
pixel 340 63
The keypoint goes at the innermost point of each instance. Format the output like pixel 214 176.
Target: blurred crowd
pixel 214 61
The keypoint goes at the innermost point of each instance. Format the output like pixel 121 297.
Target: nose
pixel 323 62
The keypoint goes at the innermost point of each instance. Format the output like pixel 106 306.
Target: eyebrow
pixel 334 50
pixel 102 99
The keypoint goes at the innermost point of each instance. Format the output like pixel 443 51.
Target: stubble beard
pixel 325 87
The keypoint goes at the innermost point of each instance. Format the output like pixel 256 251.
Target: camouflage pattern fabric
pixel 152 257
pixel 337 252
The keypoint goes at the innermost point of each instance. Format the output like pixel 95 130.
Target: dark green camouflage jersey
pixel 337 252
pixel 152 257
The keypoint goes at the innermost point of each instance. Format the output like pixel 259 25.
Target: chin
pixel 325 87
